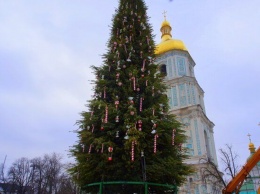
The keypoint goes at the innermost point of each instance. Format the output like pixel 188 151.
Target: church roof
pixel 168 43
pixel 248 187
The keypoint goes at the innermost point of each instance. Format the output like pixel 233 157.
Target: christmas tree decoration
pixel 133 151
pixel 106 115
pixel 139 123
pixel 117 76
pixel 161 108
pixel 131 100
pixel 142 153
pixel 155 144
pixel 173 135
pixel 133 78
pixel 90 147
pixel 105 94
pixel 141 105
pixel 102 148
pixel 129 113
pixel 110 150
pixel 92 112
pixel 126 137
pixel 92 129
pixel 143 67
pixel 117 102
pixel 154 127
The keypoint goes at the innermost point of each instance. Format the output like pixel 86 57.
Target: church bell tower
pixel 186 100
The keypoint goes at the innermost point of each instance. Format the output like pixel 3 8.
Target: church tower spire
pixel 166 28
pixel 167 42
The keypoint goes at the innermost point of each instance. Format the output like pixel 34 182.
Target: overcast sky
pixel 47 48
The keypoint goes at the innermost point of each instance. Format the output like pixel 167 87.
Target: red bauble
pixel 110 149
pixel 110 158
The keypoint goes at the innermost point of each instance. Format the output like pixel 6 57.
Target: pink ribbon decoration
pixel 141 104
pixel 105 95
pixel 106 115
pixel 134 86
pixel 173 135
pixel 143 64
pixel 133 151
pixel 90 147
pixel 102 148
pixel 155 143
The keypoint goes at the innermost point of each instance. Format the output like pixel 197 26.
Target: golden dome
pixel 165 23
pixel 251 147
pixel 168 43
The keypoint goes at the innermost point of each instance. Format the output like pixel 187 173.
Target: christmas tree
pixel 127 133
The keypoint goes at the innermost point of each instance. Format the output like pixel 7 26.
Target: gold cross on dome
pixel 164 14
pixel 249 136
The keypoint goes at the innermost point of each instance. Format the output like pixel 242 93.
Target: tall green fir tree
pixel 127 133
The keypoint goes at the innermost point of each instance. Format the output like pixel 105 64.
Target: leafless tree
pixel 52 172
pixel 41 175
pixel 20 175
pixel 51 176
pixel 229 159
pixel 67 185
pixel 211 173
pixel 3 178
pixel 37 166
pixel 2 172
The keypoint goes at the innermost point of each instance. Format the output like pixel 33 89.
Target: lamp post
pixel 143 163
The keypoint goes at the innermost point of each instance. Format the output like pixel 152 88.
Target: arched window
pixel 163 69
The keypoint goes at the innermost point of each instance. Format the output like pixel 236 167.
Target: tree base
pixel 128 187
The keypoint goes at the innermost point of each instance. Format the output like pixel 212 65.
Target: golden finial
pixel 251 145
pixel 164 14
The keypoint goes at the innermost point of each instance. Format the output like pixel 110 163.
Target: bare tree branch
pixel 210 171
pixel 3 179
